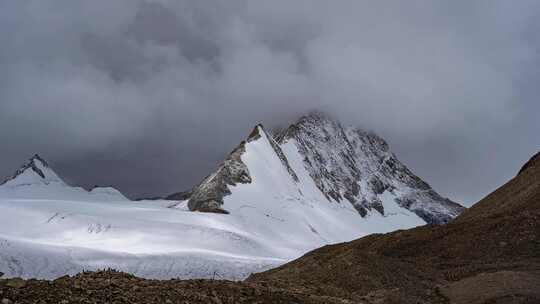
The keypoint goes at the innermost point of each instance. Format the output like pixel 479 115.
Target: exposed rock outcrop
pixel 208 195
pixel 351 164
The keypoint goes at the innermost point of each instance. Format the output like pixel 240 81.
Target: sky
pixel 149 96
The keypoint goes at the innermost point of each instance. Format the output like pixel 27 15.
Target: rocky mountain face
pixel 208 196
pixel 347 165
pixel 357 166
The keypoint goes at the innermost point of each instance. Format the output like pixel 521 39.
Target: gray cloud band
pixel 149 95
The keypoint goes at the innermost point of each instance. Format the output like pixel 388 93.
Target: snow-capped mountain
pixel 346 165
pixel 36 179
pixel 273 199
pixel 35 172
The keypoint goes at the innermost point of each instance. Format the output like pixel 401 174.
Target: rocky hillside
pixel 347 166
pixel 121 288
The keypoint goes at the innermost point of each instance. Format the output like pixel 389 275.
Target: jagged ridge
pixel 355 165
pixel 208 195
pixel 37 165
pixel 344 163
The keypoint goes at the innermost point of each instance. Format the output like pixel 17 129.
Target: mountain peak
pixel 317 114
pixel 209 194
pixel 345 164
pixel 312 122
pixel 37 158
pixel 256 132
pixel 534 161
pixel 35 171
pixel 348 163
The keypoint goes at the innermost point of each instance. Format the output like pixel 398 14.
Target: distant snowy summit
pixel 37 180
pixel 35 172
pixel 317 158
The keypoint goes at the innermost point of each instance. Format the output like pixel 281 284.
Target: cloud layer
pixel 149 95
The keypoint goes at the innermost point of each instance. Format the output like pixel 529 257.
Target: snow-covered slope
pixel 35 172
pixel 107 193
pixel 51 238
pixel 50 229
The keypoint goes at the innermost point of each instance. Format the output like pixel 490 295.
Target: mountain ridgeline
pixel 347 166
pixel 35 171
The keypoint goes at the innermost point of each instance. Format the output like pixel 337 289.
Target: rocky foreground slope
pixel 488 254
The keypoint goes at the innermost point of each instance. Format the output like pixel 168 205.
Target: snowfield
pixel 51 238
pixel 49 229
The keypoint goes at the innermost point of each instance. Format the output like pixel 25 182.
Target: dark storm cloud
pixel 150 95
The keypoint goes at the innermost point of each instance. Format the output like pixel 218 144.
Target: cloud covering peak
pixel 129 87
